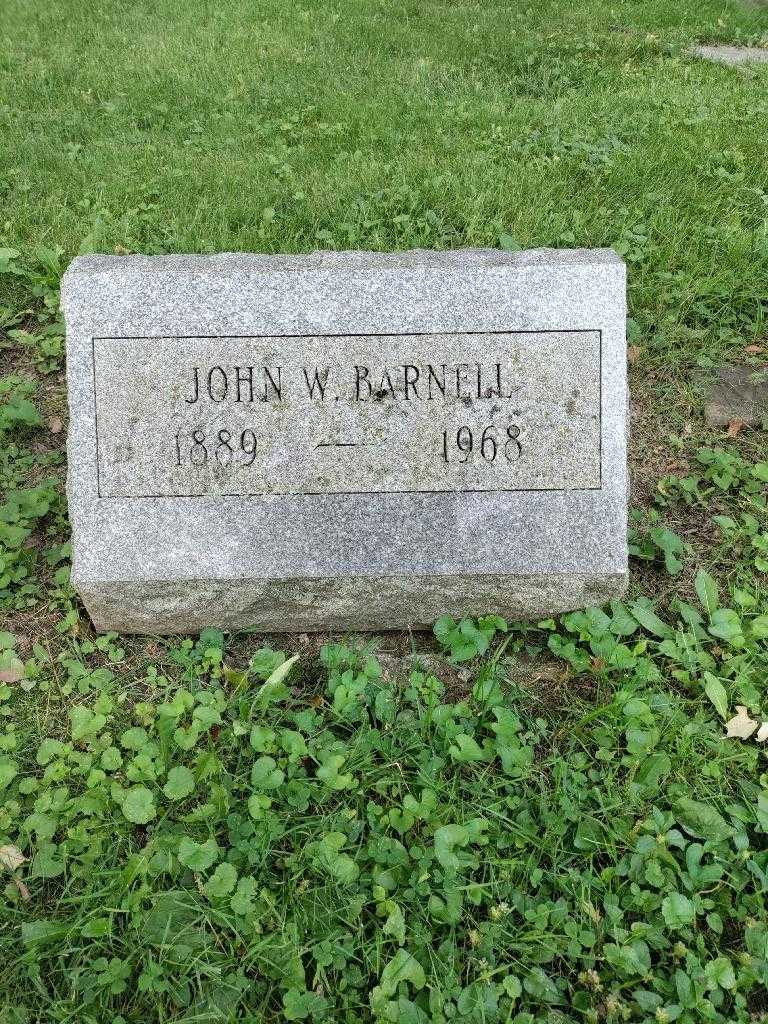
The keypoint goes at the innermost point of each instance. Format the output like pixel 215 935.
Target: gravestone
pixel 345 440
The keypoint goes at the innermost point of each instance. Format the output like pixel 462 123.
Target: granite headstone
pixel 345 440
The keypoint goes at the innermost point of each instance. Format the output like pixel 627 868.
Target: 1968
pixel 487 442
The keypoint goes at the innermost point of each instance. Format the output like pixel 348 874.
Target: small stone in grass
pixel 739 393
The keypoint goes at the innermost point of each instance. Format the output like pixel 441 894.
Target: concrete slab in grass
pixel 732 55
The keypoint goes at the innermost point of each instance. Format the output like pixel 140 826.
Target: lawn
pixel 541 822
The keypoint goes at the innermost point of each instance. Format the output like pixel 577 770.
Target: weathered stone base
pixel 352 603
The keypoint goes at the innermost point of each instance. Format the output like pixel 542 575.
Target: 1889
pixel 196 448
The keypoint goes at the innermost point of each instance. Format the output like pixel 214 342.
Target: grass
pixel 211 842
pixel 529 823
pixel 160 127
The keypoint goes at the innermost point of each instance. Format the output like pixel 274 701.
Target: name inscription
pixel 193 416
pixel 406 383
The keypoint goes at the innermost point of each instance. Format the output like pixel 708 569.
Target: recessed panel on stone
pixel 345 440
pixel 330 414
